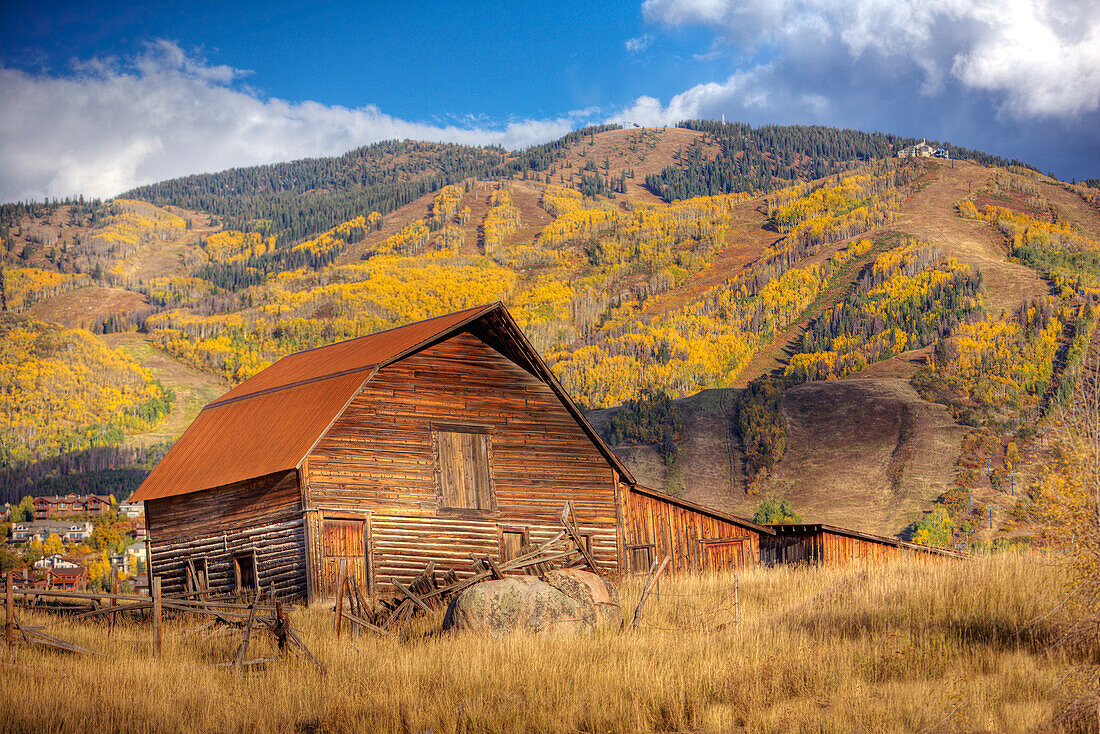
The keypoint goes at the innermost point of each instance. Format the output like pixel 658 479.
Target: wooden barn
pixel 830 546
pixel 423 443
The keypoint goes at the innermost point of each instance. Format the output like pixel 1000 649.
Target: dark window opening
pixel 244 565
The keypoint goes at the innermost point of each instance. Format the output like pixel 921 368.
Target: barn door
pixel 345 539
pixel 723 555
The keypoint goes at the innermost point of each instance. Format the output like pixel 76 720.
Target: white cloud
pixel 639 44
pixel 744 95
pixel 108 126
pixel 1038 57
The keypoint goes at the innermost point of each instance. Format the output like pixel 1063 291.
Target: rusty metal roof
pixel 237 440
pixel 269 423
pixel 703 509
pixel 354 355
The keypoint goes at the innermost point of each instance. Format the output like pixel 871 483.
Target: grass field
pixel 955 646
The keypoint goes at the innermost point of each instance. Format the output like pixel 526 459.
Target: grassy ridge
pixel 896 648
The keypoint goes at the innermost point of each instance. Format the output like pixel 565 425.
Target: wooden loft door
pixel 343 539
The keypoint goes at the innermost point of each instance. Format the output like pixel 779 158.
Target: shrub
pixel 770 511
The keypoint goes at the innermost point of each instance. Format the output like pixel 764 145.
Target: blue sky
pixel 104 97
pixel 486 61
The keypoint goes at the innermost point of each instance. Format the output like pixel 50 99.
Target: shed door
pixel 344 539
pixel 724 555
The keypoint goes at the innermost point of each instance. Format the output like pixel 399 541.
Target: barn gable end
pixel 382 459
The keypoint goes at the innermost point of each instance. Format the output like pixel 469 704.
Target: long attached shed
pixel 695 537
pixel 830 545
pixel 424 443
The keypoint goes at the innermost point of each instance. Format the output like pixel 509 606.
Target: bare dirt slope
pixel 639 150
pixel 708 466
pixel 930 214
pixel 868 454
pixel 83 306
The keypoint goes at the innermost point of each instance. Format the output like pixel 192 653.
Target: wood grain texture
pixel 452 450
pixel 684 534
pixel 836 546
pixel 210 527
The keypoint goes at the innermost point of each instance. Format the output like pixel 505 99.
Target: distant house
pixel 70 532
pixel 131 509
pixel 64 579
pixel 70 504
pixel 133 554
pixel 56 561
pixel 426 443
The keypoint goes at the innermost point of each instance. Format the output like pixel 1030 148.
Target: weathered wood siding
pixel 380 458
pixel 815 544
pixel 696 541
pixel 263 515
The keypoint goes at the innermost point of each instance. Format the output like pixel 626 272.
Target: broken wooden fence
pixel 429 591
pixel 231 612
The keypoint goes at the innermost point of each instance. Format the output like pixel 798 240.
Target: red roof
pixel 269 423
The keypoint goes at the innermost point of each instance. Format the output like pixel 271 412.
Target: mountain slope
pixel 862 275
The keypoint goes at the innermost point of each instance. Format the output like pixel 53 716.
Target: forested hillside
pixel 812 255
pixel 301 198
pixel 764 158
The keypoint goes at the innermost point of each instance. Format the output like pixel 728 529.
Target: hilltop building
pixel 923 150
pixel 424 443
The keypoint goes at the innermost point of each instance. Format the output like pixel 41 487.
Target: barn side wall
pixel 693 539
pixel 838 549
pixel 263 515
pixel 379 459
pixel 812 544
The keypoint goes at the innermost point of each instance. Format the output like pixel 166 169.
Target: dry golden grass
pixel 892 648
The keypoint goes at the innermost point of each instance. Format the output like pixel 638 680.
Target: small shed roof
pixel 269 423
pixel 702 509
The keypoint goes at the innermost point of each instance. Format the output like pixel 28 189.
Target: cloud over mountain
pixel 1018 78
pixel 1040 57
pixel 110 125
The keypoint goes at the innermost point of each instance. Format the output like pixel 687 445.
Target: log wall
pixel 696 540
pixel 262 516
pixel 380 458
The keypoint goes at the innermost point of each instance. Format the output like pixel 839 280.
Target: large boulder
pixel 559 602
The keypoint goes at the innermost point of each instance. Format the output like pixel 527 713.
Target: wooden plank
pixel 654 575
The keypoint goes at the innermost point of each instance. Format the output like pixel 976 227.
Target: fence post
pixel 114 602
pixel 155 590
pixel 340 593
pixel 9 607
